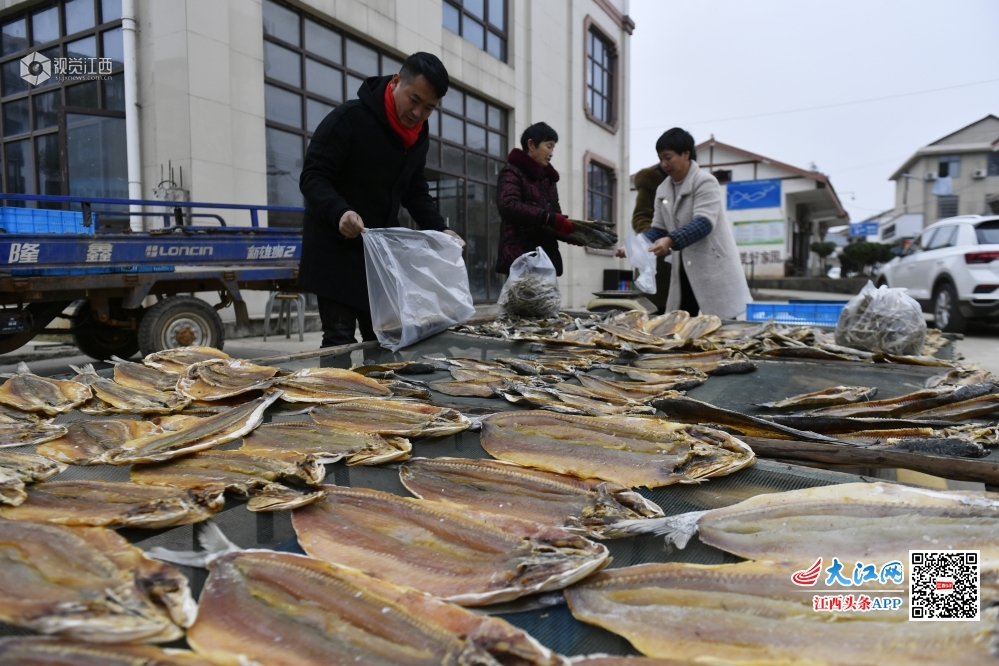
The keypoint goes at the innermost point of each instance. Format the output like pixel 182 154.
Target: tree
pixel 823 249
pixel 863 256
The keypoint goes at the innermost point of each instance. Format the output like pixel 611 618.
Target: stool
pixel 285 298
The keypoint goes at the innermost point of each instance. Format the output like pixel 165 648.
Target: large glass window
pixel 482 22
pixel 600 64
pixel 599 192
pixel 83 104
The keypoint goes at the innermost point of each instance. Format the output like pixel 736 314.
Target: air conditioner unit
pixel 930 175
pixel 979 173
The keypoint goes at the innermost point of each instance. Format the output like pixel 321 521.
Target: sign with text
pixel 759 232
pixel 753 194
pixel 864 229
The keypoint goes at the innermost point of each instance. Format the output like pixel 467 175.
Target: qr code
pixel 944 585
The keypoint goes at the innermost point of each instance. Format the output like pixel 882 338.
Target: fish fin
pixel 22 369
pixel 210 537
pixel 677 529
pixel 475 423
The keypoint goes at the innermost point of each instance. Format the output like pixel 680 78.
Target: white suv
pixel 952 269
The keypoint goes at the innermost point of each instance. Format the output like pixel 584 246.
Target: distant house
pixel 955 175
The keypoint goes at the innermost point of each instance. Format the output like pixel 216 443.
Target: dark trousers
pixel 688 301
pixel 340 322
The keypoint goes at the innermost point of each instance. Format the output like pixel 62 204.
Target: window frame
pixel 592 158
pixel 591 26
pixel 948 198
pixel 487 25
pixel 953 162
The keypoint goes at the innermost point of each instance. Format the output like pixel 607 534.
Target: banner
pixel 753 194
pixel 759 232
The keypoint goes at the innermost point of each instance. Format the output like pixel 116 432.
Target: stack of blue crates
pixel 812 313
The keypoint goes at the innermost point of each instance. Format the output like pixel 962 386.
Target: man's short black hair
pixel 678 140
pixel 429 67
pixel 538 133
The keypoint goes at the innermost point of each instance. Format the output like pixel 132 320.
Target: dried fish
pixel 835 425
pixel 962 410
pixel 87 584
pixel 46 651
pixel 31 393
pixel 585 506
pixel 632 335
pixel 294 440
pixel 635 391
pixel 109 504
pixel 913 360
pixel 805 352
pixel 711 362
pixel 630 451
pixel 400 418
pixel 698 327
pixel 17 431
pixel 248 475
pixel 467 388
pixel 84 442
pixel 911 403
pixel 323 614
pixel 962 377
pixel 402 368
pixel 531 295
pixel 137 375
pixel 441 548
pixel 177 360
pixel 635 319
pixel 204 434
pixel 216 379
pixel 666 324
pixel 17 469
pixel 570 399
pixel 330 385
pixel 608 660
pixel 113 398
pixel 676 379
pixel 837 395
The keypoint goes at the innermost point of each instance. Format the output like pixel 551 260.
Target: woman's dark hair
pixel 538 133
pixel 429 67
pixel 677 140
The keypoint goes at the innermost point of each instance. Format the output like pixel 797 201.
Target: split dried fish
pixel 203 434
pixel 113 398
pixel 635 391
pixel 399 418
pixel 47 651
pixel 177 360
pixel 962 377
pixel 630 451
pixel 17 469
pixel 962 410
pixel 15 431
pixel 728 614
pixel 323 614
pixel 722 361
pixel 585 506
pixel 677 379
pixel 570 399
pixel 84 442
pixel 88 584
pixel 31 393
pixel 109 504
pixel 330 385
pixel 698 327
pixel 294 440
pixel 423 367
pixel 837 395
pixel 666 324
pixel 911 403
pixel 137 375
pixel 467 388
pixel 632 335
pixel 441 548
pixel 216 379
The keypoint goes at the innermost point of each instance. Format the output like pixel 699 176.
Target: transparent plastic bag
pixel 417 284
pixel 636 247
pixel 882 320
pixel 531 290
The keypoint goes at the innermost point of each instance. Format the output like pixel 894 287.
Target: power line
pixel 824 106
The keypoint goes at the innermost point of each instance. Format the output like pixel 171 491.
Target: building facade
pixel 229 92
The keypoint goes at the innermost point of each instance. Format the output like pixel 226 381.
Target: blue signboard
pixel 754 194
pixel 864 229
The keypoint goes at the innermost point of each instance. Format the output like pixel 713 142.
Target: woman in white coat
pixel 689 223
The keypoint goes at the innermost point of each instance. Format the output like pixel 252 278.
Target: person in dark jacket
pixel 530 215
pixel 365 159
pixel 647 181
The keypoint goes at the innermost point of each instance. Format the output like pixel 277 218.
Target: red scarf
pixel 409 135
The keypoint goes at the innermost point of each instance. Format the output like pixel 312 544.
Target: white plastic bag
pixel 636 247
pixel 882 320
pixel 531 289
pixel 417 284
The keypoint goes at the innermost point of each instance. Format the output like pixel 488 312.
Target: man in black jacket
pixel 365 159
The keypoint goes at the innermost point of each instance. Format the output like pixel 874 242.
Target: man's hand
pixel 662 247
pixel 351 224
pixel 620 254
pixel 455 236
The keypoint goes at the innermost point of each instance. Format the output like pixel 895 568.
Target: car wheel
pixel 946 315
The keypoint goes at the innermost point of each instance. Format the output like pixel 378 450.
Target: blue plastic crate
pixel 42 221
pixel 809 314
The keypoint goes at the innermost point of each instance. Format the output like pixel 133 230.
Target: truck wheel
pixel 180 321
pixel 946 315
pixel 101 344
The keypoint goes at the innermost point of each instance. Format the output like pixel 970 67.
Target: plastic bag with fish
pixel 882 320
pixel 531 288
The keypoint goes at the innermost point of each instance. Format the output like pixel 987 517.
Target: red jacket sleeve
pixel 512 207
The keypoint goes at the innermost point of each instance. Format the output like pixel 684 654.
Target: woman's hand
pixel 620 254
pixel 662 247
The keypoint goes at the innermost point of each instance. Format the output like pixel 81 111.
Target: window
pixel 923 242
pixel 84 112
pixel 599 192
pixel 722 176
pixel 482 22
pixel 947 206
pixel 950 165
pixel 988 233
pixel 601 61
pixel 944 238
pixel 993 166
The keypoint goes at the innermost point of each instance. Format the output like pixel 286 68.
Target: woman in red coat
pixel 528 201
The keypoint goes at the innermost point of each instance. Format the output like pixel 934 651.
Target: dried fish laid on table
pixel 16 430
pixel 203 434
pixel 469 388
pixel 17 469
pixel 110 504
pixel 961 377
pixel 88 584
pixel 962 410
pixel 327 443
pixel 48 651
pixel 282 609
pixel 217 379
pixel 630 451
pixel 570 399
pixel 178 359
pixel 635 391
pixel 930 361
pixel 84 442
pixel 113 398
pixel 718 362
pixel 698 327
pixel 399 418
pixel 441 548
pixel 919 440
pixel 137 375
pixel 666 324
pixel 421 367
pixel 584 506
pixel 835 425
pixel 330 385
pixel 676 379
pixel 632 335
pixel 727 614
pixel 837 395
pixel 31 393
pixel 255 477
pixel 629 319
pixel 911 403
